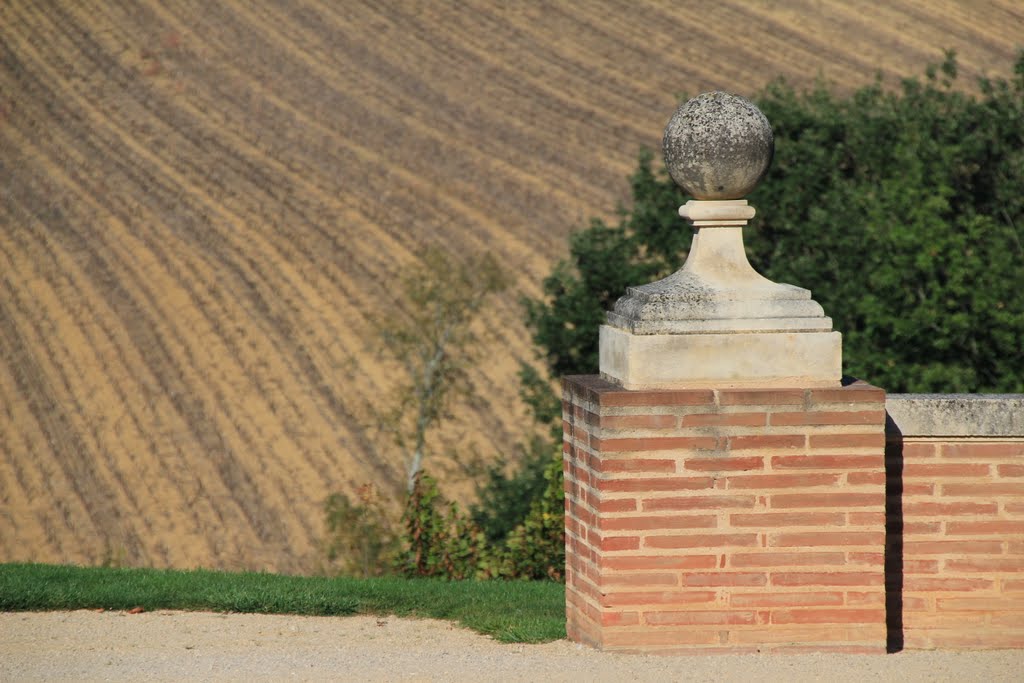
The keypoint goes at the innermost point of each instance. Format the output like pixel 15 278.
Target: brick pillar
pixel 724 520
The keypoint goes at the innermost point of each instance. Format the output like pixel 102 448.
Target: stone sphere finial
pixel 718 146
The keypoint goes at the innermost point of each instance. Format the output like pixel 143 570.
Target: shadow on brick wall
pixel 893 536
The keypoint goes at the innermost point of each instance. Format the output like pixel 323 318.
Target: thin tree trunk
pixel 415 467
pixel 429 386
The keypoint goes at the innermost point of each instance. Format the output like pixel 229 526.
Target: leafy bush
pixel 535 549
pixel 440 539
pixel 902 211
pixel 361 540
pixel 443 541
pixel 504 499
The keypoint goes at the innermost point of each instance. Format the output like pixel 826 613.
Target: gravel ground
pixel 159 646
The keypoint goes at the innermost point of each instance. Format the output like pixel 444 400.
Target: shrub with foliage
pixel 535 549
pixel 443 541
pixel 361 540
pixel 440 539
pixel 437 538
pixel 504 498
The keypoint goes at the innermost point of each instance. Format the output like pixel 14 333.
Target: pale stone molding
pixel 977 416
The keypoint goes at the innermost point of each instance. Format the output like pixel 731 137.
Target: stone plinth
pixel 665 361
pixel 725 519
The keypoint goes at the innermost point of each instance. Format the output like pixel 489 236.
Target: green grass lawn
pixel 510 611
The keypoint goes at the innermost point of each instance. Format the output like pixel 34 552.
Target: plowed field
pixel 203 207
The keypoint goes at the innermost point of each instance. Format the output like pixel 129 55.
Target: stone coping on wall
pixel 977 416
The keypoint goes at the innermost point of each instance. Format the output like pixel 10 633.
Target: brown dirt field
pixel 202 206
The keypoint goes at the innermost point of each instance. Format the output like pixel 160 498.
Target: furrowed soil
pixel 204 207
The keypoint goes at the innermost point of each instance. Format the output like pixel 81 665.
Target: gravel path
pixel 165 646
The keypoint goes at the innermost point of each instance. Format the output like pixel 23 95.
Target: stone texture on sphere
pixel 718 146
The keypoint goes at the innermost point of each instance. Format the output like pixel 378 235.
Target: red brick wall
pixel 729 520
pixel 956 553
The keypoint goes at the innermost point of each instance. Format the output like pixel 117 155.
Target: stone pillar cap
pixel 718 146
pixel 716 321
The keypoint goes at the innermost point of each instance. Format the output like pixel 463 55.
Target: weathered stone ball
pixel 718 146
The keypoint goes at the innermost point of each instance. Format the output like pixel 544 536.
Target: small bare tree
pixel 435 345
